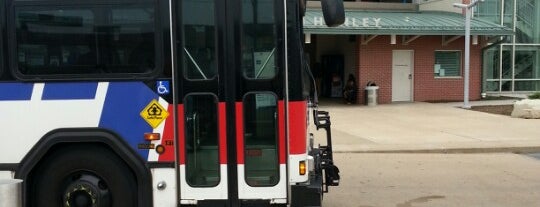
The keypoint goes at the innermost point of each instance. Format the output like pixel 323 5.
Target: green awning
pixel 401 23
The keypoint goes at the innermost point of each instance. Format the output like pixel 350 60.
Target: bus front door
pixel 231 88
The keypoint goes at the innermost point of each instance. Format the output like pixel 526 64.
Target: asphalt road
pixel 409 180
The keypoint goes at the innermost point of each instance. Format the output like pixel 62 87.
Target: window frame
pixel 460 69
pixel 12 45
pixel 2 37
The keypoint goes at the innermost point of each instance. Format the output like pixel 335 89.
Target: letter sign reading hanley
pixel 351 22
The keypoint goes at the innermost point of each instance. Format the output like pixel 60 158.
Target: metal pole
pixel 466 72
pixel 466 104
pixel 10 192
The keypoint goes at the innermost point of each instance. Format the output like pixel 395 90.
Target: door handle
pixel 196 129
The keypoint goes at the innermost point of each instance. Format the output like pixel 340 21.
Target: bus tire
pixel 83 175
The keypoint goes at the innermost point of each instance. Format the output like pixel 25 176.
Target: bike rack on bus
pixel 326 159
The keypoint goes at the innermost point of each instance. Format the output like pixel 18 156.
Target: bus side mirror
pixel 333 12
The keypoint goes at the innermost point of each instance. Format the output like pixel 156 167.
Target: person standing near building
pixel 350 90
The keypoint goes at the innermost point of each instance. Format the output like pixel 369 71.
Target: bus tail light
pixel 302 167
pixel 152 136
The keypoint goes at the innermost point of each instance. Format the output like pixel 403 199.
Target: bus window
pixel 2 24
pixel 260 139
pixel 85 40
pixel 201 138
pixel 258 39
pixel 199 39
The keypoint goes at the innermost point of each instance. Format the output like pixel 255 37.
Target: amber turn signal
pixel 302 167
pixel 152 136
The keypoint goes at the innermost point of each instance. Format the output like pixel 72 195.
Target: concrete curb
pixel 520 147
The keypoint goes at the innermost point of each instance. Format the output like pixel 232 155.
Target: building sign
pixel 366 22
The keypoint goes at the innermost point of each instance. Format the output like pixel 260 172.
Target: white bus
pixel 123 103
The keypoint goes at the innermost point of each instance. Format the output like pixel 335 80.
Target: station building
pixel 512 67
pixel 412 50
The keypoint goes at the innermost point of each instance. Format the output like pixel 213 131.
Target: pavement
pixel 427 128
pixel 441 180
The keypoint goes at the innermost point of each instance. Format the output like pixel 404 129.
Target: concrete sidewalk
pixel 427 127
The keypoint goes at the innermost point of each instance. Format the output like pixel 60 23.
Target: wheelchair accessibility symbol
pixel 162 87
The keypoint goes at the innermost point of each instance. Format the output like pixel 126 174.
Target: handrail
pixel 265 62
pixel 525 12
pixel 195 63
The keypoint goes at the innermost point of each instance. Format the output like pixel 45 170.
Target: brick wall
pixel 375 64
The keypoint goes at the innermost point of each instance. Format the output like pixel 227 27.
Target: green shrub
pixel 535 95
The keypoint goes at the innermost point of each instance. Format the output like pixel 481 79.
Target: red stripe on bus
pixel 167 139
pixel 281 131
pixel 239 133
pixel 181 135
pixel 222 113
pixel 297 127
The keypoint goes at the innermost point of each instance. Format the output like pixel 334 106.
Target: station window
pixel 86 39
pixel 447 64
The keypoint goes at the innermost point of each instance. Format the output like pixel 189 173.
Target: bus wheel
pixel 83 176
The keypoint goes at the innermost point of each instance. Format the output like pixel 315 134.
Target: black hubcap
pixel 81 198
pixel 86 190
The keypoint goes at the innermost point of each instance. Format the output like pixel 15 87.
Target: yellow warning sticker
pixel 154 113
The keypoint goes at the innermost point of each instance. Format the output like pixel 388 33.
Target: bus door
pixel 230 79
pixel 201 111
pixel 260 92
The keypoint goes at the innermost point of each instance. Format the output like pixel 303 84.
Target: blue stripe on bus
pixel 66 91
pixel 121 112
pixel 16 91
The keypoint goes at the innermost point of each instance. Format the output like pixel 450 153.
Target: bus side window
pixel 133 39
pixel 54 41
pixel 2 52
pixel 88 39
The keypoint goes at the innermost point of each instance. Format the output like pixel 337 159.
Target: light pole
pixel 466 72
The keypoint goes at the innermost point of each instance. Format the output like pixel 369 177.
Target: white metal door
pixel 402 75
